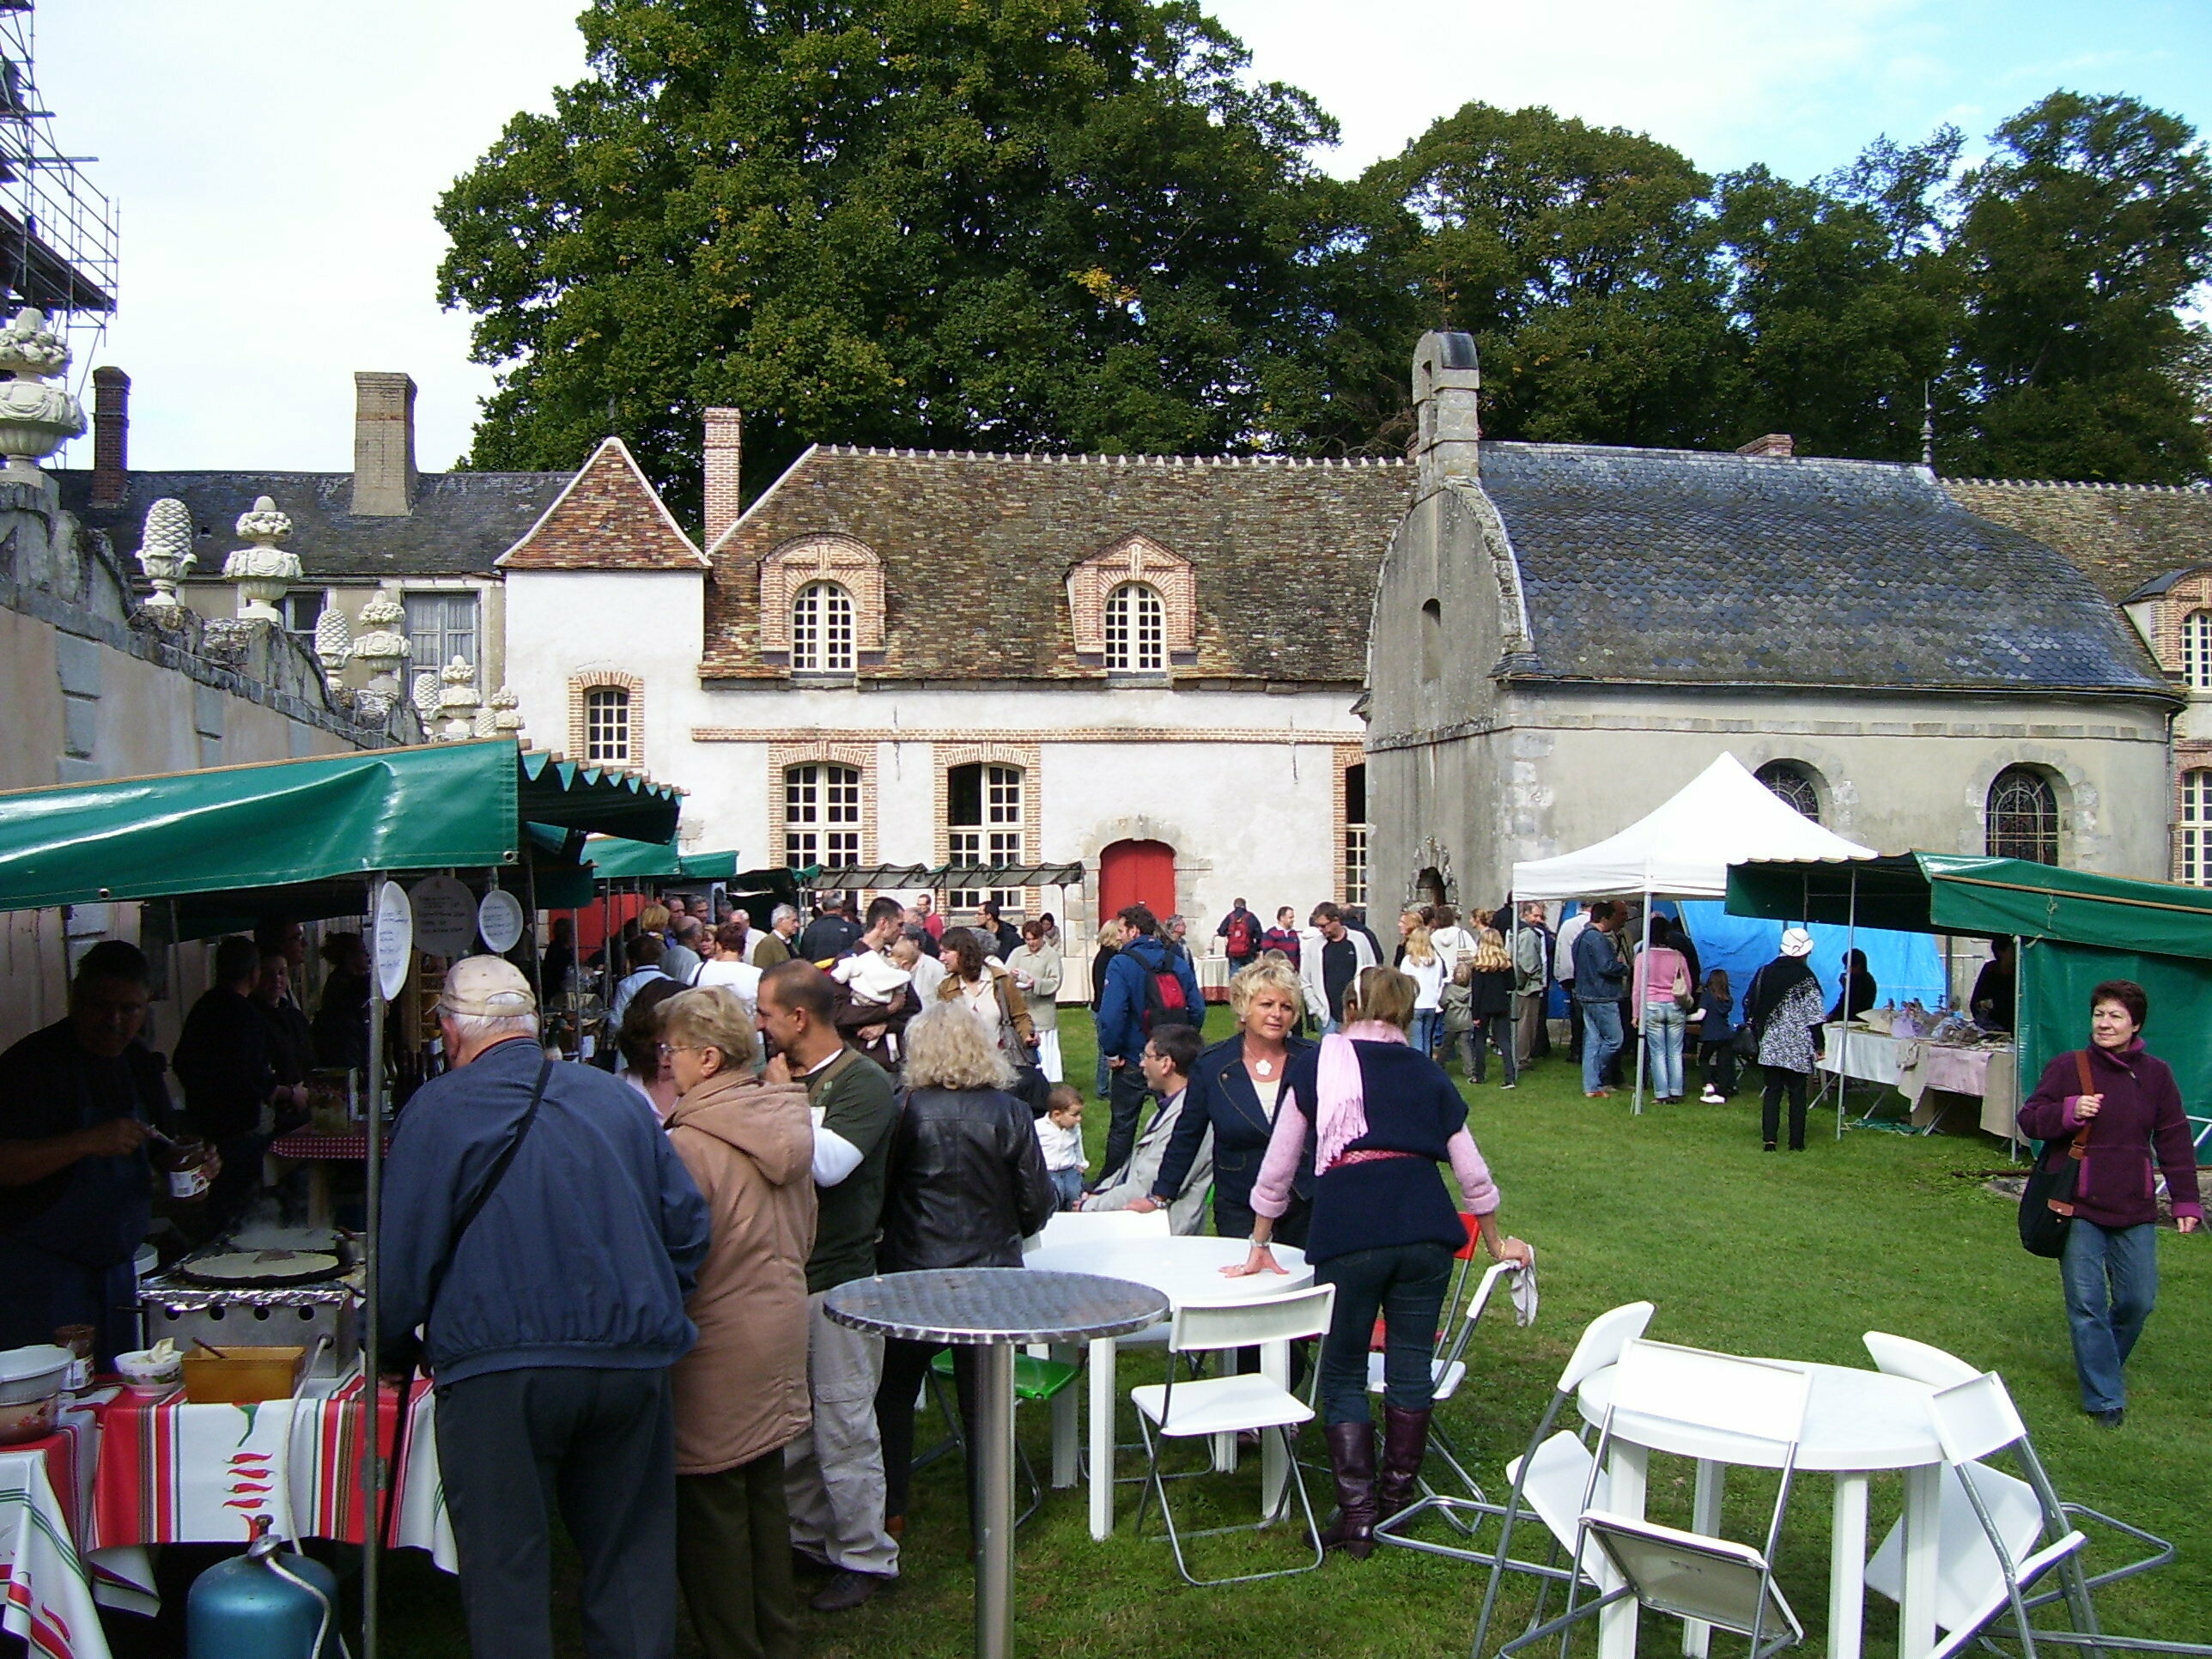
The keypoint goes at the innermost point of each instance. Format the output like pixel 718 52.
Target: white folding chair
pixel 1551 1463
pixel 1201 1409
pixel 1696 1577
pixel 1959 1525
pixel 1447 1371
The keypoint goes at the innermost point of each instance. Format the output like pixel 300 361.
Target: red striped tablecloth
pixel 307 1144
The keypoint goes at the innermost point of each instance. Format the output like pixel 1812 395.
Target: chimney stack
pixel 383 444
pixel 111 436
pixel 1774 446
pixel 1447 425
pixel 725 449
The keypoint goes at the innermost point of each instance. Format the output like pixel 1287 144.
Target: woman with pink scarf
pixel 1376 1117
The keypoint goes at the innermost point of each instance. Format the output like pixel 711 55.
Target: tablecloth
pixel 46 1592
pixel 1914 1066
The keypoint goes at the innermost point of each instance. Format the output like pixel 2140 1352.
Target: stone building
pixel 1563 635
pixel 2150 549
pixel 1148 664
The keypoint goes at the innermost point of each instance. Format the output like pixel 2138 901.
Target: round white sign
pixel 394 938
pixel 445 916
pixel 499 919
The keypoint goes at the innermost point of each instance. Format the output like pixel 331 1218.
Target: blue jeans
pixel 1067 1186
pixel 2111 1276
pixel 1426 1024
pixel 1405 1283
pixel 1663 1026
pixel 1600 1042
pixel 1105 1075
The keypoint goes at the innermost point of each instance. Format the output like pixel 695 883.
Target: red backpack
pixel 1240 934
pixel 1164 1002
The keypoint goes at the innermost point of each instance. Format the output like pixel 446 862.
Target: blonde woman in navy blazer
pixel 1234 1088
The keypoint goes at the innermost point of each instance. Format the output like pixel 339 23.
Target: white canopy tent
pixel 1682 849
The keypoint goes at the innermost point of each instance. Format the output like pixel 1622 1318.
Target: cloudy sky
pixel 276 163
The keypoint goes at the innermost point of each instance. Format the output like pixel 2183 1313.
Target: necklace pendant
pixel 1264 1067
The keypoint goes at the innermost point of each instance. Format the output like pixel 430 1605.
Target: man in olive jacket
pixel 834 1473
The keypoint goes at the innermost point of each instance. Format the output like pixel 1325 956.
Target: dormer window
pixel 1136 630
pixel 821 629
pixel 2196 650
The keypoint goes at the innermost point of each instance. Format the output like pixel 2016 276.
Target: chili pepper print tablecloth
pixel 46 1596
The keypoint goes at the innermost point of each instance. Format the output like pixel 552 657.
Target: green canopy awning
pixel 284 831
pixel 613 859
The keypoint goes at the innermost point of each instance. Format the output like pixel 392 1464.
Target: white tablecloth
pixel 48 1597
pixel 1915 1066
pixel 1183 1270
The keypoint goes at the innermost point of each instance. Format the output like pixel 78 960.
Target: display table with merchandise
pixel 1918 1068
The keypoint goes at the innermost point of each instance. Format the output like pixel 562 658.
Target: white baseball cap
pixel 1796 942
pixel 486 987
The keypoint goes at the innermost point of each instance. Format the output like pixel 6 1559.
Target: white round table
pixel 1856 1422
pixel 1183 1270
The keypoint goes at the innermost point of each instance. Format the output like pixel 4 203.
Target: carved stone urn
pixel 165 550
pixel 507 714
pixel 456 700
pixel 333 643
pixel 35 419
pixel 263 570
pixel 381 648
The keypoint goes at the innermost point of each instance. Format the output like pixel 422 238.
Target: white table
pixel 1183 1270
pixel 1856 1422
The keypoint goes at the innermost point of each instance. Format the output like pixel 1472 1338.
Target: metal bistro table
pixel 994 1308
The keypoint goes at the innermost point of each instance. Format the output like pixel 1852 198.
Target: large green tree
pixel 1012 223
pixel 2077 245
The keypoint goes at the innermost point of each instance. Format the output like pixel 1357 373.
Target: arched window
pixel 2196 847
pixel 1136 630
pixel 821 815
pixel 821 629
pixel 2196 650
pixel 1432 641
pixel 2023 816
pixel 1794 784
pixel 606 725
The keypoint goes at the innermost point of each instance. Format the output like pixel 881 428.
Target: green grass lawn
pixel 1750 1252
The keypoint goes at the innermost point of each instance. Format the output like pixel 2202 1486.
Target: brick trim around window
pixel 851 564
pixel 1023 756
pixel 1134 558
pixel 579 735
pixel 1346 756
pixel 781 757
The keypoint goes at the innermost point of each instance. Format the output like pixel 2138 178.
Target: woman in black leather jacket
pixel 965 1184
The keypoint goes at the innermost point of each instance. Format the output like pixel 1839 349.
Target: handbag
pixel 1686 995
pixel 2046 1202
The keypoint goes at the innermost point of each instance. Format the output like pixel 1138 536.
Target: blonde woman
pixel 1109 945
pixel 1427 969
pixel 741 1393
pixel 1489 968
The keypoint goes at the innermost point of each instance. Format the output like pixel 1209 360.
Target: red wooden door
pixel 1137 872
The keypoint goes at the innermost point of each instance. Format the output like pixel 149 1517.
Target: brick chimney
pixel 725 448
pixel 111 436
pixel 1447 427
pixel 1774 446
pixel 383 444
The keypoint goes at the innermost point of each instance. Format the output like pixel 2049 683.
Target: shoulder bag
pixel 2047 1203
pixel 403 1351
pixel 1686 994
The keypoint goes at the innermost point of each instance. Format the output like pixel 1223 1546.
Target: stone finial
pixel 424 696
pixel 164 549
pixel 456 700
pixel 506 713
pixel 383 648
pixel 35 419
pixel 333 643
pixel 262 570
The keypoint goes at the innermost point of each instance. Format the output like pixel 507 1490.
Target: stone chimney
pixel 725 448
pixel 1447 383
pixel 383 444
pixel 111 436
pixel 1774 446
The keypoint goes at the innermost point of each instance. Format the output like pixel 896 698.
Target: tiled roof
pixel 2123 535
pixel 1687 567
pixel 976 550
pixel 609 518
pixel 461 522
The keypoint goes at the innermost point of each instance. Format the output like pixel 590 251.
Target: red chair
pixel 1464 1256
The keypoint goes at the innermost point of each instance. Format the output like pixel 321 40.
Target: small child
pixel 876 977
pixel 1715 1038
pixel 1059 1131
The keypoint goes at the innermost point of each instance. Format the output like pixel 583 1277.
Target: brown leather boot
pixel 1352 1460
pixel 1405 1442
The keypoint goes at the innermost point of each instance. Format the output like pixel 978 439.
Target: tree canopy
pixel 1080 224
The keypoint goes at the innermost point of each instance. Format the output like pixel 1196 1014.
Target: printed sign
pixel 445 916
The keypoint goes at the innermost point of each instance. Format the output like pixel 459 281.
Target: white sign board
pixel 445 916
pixel 499 919
pixel 394 943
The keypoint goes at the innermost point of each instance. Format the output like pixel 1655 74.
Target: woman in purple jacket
pixel 2133 1117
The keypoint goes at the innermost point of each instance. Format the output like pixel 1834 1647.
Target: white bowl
pixel 144 1374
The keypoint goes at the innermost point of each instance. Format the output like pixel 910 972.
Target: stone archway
pixel 1434 882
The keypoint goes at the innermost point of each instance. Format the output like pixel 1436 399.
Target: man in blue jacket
pixel 550 1323
pixel 1131 1007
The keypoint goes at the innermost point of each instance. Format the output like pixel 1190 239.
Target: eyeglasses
pixel 668 1050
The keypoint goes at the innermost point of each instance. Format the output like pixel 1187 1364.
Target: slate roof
pixel 2124 535
pixel 609 518
pixel 1675 566
pixel 976 549
pixel 461 523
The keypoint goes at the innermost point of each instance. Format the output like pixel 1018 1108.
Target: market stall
pixel 208 852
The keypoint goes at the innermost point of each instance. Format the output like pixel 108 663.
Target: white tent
pixel 1682 848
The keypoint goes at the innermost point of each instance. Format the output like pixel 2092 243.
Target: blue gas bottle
pixel 265 1604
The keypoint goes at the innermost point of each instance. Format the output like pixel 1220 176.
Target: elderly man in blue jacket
pixel 538 1228
pixel 1135 1003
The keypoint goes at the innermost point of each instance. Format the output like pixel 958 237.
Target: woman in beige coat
pixel 741 1392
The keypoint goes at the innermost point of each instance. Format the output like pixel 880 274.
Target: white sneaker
pixel 1710 1098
